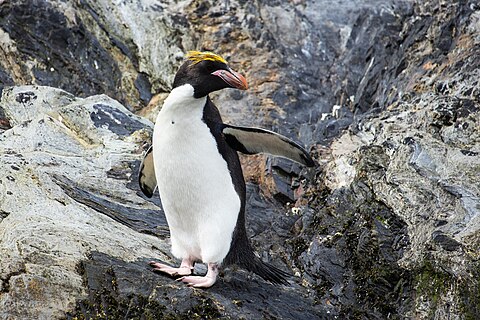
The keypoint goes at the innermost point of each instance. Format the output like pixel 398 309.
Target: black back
pixel 241 252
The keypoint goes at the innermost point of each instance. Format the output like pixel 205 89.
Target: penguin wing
pixel 255 140
pixel 146 175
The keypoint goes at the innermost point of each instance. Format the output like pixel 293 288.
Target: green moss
pixel 104 306
pixel 298 245
pixel 321 289
pixel 470 296
pixel 432 284
pixel 381 286
pixel 382 220
pixel 206 309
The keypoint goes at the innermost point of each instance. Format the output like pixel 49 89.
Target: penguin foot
pixel 202 282
pixel 197 281
pixel 185 268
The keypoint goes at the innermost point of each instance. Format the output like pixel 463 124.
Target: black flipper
pixel 256 140
pixel 146 174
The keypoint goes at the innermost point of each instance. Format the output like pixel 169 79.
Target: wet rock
pixel 4 214
pixel 446 242
pixel 114 120
pixel 117 288
pixel 147 221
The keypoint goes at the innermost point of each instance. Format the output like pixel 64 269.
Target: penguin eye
pixel 210 68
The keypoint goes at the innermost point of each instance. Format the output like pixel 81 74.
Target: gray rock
pixel 50 169
pixel 74 226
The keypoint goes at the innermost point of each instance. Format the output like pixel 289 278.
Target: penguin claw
pixel 179 279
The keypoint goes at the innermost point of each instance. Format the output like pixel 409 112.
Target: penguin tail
pixel 244 257
pixel 267 271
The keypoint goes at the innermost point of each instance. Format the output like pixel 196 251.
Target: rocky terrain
pixel 384 94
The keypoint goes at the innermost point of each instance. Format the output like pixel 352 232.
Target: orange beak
pixel 232 78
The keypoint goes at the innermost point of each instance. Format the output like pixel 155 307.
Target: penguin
pixel 193 161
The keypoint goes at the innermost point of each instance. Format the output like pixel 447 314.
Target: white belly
pixel 195 186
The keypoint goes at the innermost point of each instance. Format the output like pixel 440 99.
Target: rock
pixel 403 199
pixel 326 70
pixel 76 234
pixel 56 198
pixel 119 289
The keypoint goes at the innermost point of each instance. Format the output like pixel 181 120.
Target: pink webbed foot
pixel 185 268
pixel 202 282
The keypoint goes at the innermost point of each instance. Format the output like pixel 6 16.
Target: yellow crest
pixel 197 56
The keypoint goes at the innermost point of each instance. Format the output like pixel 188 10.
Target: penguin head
pixel 208 72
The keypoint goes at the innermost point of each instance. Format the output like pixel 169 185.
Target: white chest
pixel 193 179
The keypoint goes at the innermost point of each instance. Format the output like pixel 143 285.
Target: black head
pixel 208 72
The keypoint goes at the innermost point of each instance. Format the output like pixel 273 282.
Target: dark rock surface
pixel 384 93
pixel 64 54
pixel 118 289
